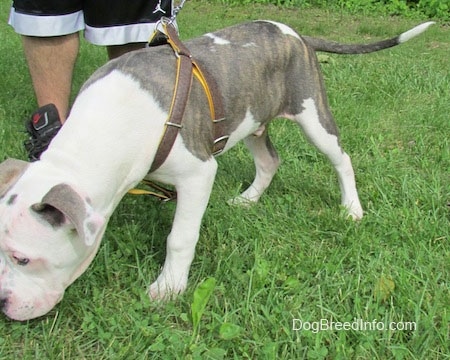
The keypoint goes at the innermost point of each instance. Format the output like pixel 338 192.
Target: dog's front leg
pixel 193 191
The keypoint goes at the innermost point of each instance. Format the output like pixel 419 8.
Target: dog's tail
pixel 338 48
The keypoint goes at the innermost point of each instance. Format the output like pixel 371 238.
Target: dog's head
pixel 45 244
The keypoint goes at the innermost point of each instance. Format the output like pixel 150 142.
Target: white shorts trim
pixel 123 34
pixel 30 25
pixel 45 26
pixel 119 35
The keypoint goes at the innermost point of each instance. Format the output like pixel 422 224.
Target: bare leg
pixel 51 61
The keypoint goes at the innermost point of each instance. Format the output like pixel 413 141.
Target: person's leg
pixel 51 61
pixel 49 30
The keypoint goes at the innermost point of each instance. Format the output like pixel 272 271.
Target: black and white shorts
pixel 105 22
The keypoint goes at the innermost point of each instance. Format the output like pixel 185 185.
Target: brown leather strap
pixel 186 67
pixel 161 192
pixel 174 40
pixel 179 101
pixel 217 110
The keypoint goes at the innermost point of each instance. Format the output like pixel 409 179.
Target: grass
pixel 293 256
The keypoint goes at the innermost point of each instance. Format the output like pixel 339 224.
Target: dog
pixel 53 212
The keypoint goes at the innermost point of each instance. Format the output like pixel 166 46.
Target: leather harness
pixel 187 69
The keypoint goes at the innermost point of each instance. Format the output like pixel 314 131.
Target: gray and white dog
pixel 53 212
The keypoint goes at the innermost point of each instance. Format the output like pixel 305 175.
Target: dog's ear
pixel 10 171
pixel 63 203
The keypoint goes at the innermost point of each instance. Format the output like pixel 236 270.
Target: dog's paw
pixel 244 200
pixel 240 201
pixel 162 291
pixel 354 211
pixel 249 197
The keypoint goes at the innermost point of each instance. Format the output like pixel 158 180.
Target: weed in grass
pixel 200 299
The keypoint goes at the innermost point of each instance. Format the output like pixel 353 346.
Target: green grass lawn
pixel 293 257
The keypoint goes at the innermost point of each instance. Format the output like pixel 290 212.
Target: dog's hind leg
pixel 193 185
pixel 319 127
pixel 266 163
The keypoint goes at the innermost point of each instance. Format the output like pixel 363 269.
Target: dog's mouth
pixel 22 310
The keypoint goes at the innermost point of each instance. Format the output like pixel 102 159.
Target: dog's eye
pixel 21 261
